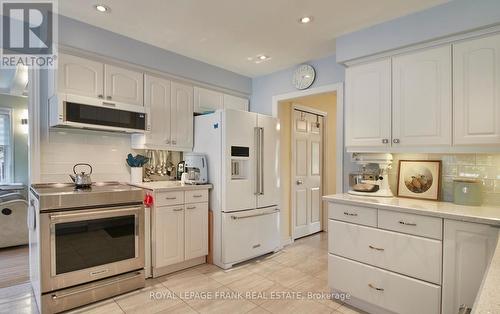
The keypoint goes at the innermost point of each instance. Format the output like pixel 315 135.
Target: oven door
pixel 86 245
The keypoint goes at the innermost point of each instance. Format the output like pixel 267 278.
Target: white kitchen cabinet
pixel 181 115
pixel 157 104
pixel 168 235
pixel 476 91
pixel 467 251
pixel 123 85
pixel 206 100
pixel 234 102
pixel 422 98
pixel 196 230
pixel 78 76
pixel 368 105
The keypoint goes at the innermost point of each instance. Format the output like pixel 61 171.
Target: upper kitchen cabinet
pixel 181 116
pixel 123 85
pixel 79 76
pixel 206 100
pixel 476 91
pixel 421 98
pixel 368 105
pixel 234 102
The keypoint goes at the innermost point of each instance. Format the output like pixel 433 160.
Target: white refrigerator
pixel 242 155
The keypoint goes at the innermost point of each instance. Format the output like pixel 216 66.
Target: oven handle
pixel 69 217
pixel 111 282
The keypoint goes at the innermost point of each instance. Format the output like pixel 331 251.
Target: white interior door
pixel 307 150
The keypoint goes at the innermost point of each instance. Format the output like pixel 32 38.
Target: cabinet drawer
pixel 393 292
pixel 169 198
pixel 425 226
pixel 409 255
pixel 197 196
pixel 355 214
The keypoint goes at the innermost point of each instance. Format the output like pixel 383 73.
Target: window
pixel 5 145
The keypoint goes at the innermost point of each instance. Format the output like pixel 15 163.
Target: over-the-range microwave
pixel 73 111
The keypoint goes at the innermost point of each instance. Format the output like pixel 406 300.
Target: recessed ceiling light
pixel 263 57
pixel 102 8
pixel 305 19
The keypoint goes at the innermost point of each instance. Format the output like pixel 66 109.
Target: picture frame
pixel 419 179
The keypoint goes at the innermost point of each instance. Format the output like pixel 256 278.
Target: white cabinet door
pixel 168 235
pixel 233 102
pixel 467 251
pixel 123 85
pixel 80 76
pixel 476 91
pixel 368 104
pixel 157 102
pixel 181 116
pixel 206 100
pixel 196 230
pixel 421 89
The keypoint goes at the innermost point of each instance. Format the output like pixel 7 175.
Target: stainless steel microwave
pixel 81 112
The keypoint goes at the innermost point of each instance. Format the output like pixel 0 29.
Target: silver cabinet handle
pixel 171 198
pixel 375 248
pixel 396 141
pixel 407 223
pixel 374 287
pixel 100 96
pixel 178 209
pixel 167 141
pixel 197 195
pixel 174 142
pixel 385 141
pixel 191 207
pixel 350 214
pixel 108 97
pixel 299 182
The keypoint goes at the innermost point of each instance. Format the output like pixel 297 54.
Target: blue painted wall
pixel 451 18
pixel 267 86
pixel 90 38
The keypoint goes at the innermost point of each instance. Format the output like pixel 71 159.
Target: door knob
pixel 299 182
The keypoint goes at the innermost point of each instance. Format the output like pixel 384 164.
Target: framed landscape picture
pixel 419 179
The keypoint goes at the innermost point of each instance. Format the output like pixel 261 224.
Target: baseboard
pixel 157 272
pixel 287 241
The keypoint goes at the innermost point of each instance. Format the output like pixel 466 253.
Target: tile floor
pixel 287 276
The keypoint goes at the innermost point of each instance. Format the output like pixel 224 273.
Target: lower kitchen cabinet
pixel 196 230
pixel 168 235
pixel 179 231
pixel 467 251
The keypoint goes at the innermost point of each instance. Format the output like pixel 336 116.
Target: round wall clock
pixel 304 76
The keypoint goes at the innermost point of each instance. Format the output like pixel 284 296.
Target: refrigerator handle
pixel 257 160
pixel 261 163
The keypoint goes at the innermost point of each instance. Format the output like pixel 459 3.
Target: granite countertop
pixel 164 186
pixel 488 300
pixel 480 214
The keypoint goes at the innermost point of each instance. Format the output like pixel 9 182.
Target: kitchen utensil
pixel 467 192
pixel 82 179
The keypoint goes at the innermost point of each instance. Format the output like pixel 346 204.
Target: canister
pixel 467 192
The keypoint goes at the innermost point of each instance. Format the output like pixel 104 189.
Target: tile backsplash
pixel 485 167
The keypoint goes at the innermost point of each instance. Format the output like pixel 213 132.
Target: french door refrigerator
pixel 242 155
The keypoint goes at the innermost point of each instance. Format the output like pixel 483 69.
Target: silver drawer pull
pixel 191 207
pixel 350 214
pixel 178 209
pixel 197 195
pixel 375 248
pixel 171 198
pixel 407 223
pixel 376 288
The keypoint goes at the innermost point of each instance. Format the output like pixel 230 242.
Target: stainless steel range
pixel 85 244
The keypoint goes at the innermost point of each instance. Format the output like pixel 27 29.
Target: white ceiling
pixel 226 33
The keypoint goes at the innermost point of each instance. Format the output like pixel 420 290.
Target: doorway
pixel 14 177
pixel 308 161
